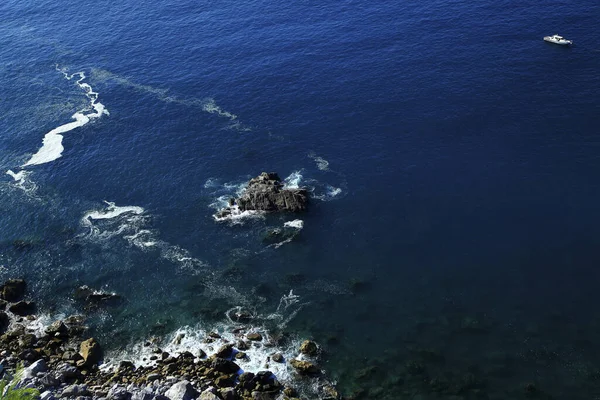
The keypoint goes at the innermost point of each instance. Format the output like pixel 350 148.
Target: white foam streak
pixel 52 147
pixel 130 223
pixel 237 217
pixel 208 105
pixel 112 211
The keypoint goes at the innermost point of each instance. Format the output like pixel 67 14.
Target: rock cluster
pixel 266 192
pixel 63 362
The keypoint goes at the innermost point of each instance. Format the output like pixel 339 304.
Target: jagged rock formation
pixel 266 192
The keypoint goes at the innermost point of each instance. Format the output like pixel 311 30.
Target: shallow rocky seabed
pixel 62 361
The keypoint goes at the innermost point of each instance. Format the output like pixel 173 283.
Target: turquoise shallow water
pixel 450 247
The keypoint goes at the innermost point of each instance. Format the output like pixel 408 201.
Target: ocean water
pixel 450 248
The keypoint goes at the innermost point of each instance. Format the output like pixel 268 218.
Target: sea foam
pixel 52 147
pixel 23 181
pixel 131 223
pixel 322 163
pixel 208 105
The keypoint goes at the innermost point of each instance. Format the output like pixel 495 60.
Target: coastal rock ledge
pixel 266 192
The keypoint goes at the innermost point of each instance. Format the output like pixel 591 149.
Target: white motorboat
pixel 558 40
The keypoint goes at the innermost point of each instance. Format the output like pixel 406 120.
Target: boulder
pixel 228 394
pixel 182 391
pixel 49 380
pixel 13 290
pixel 57 328
pixel 34 369
pixel 305 367
pixel 257 395
pixel 255 336
pixel 75 391
pixel 226 351
pixel 309 348
pixel 329 392
pixel 47 395
pixel 29 355
pixel 118 393
pixel 4 322
pixel 224 366
pixel 22 308
pixel 209 394
pixel 90 351
pixel 142 395
pixel 266 192
pixel 65 371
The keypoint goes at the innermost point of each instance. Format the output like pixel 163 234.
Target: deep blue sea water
pixel 453 234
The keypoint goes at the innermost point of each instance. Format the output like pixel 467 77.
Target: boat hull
pixel 559 42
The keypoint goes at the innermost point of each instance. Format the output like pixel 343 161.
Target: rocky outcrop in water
pixel 267 193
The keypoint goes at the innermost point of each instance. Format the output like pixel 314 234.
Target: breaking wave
pixel 206 341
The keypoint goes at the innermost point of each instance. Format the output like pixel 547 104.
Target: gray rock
pixel 118 393
pixel 142 395
pixel 34 369
pixel 47 395
pixel 49 380
pixel 75 391
pixel 182 391
pixel 65 371
pixel 152 377
pixel 209 394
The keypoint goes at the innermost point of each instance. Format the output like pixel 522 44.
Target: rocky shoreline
pixel 62 361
